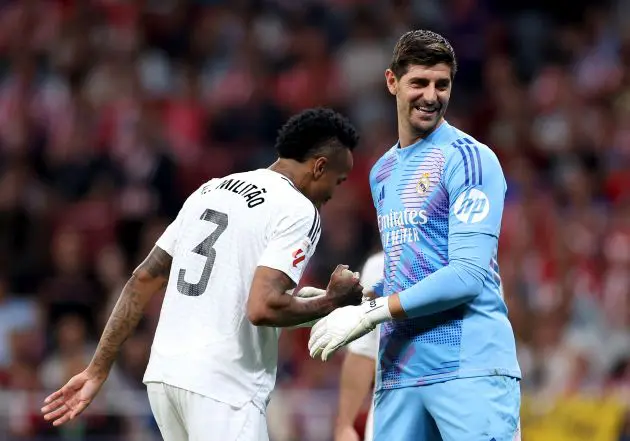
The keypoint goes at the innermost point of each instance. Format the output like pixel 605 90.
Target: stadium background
pixel 112 111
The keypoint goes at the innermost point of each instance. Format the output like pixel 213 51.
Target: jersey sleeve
pixel 168 240
pixel 292 243
pixel 476 188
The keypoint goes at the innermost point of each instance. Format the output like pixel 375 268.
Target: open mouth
pixel 426 111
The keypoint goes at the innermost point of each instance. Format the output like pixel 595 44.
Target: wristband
pixel 376 311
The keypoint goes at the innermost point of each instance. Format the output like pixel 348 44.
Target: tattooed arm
pixel 148 279
pixel 270 305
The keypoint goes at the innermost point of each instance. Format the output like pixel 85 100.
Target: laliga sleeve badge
pixel 423 183
pixel 299 255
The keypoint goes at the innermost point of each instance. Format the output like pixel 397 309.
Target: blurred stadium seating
pixel 112 111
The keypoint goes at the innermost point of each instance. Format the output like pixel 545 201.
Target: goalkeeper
pixel 447 367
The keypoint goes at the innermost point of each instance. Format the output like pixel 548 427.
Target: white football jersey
pixel 204 342
pixel 371 273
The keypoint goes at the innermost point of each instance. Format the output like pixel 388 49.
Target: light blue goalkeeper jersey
pixel 439 204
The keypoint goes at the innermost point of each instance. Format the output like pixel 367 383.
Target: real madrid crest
pixel 423 183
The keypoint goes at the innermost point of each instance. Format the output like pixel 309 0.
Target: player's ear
pixel 392 82
pixel 319 167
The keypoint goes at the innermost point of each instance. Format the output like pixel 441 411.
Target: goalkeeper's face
pixel 422 96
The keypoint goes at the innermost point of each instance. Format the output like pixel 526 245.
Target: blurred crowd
pixel 113 111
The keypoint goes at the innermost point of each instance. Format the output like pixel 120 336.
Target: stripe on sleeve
pixel 475 147
pixel 461 150
pixel 315 226
pixel 317 233
pixel 472 164
pixel 479 162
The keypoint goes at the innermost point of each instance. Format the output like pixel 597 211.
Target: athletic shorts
pixel 182 415
pixel 464 409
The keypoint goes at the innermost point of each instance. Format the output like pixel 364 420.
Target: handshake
pixel 355 316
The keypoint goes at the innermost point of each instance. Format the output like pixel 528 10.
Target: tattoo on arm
pixel 150 277
pixel 290 310
pixel 157 264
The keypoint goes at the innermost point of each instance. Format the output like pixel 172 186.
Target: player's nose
pixel 429 94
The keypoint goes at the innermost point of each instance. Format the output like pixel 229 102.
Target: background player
pixel 357 371
pixel 237 245
pixel 447 365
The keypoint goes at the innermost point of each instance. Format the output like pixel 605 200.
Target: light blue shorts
pixel 464 409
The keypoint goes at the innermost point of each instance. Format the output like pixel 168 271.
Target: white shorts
pixel 369 424
pixel 186 416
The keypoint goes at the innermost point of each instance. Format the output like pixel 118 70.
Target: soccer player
pixel 447 367
pixel 237 246
pixel 358 369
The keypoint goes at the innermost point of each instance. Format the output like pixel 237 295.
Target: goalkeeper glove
pixel 345 325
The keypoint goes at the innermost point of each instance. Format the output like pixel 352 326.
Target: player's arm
pixel 475 212
pixel 269 304
pixel 149 278
pixel 457 283
pixel 474 223
pixel 293 237
pixel 357 375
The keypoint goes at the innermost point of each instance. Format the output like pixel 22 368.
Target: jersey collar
pixel 435 138
pixel 279 175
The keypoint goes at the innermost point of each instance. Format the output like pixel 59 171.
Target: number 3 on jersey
pixel 206 250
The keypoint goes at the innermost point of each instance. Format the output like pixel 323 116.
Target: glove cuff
pixel 376 311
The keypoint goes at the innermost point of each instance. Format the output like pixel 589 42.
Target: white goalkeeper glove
pixel 345 325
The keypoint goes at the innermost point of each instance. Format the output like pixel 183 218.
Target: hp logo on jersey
pixel 472 206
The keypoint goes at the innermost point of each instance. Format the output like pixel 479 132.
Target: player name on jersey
pixel 251 192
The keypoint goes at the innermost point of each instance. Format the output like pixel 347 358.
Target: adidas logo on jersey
pixel 381 197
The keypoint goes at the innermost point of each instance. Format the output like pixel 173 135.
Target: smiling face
pixel 420 76
pixel 422 96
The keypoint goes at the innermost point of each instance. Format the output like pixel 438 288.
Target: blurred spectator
pixel 16 314
pixel 112 112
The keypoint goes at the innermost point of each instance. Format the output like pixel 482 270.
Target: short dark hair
pixel 423 48
pixel 303 135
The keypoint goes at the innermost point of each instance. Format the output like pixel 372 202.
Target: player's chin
pixel 321 203
pixel 424 126
pixel 425 121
